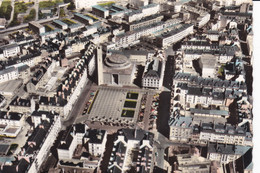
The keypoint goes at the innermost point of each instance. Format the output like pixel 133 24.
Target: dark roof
pixel 227 149
pixel 4 148
pixel 9 46
pixel 10 115
pixel 17 101
pixel 114 169
pixel 95 136
pixel 80 128
pixel 66 144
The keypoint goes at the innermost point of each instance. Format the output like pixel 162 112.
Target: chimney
pixel 135 133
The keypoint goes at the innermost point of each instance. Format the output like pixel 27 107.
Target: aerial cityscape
pixel 126 86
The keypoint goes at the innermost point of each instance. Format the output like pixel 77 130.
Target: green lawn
pixel 68 22
pixel 128 113
pixel 91 16
pixel 48 28
pixel 107 3
pixel 132 95
pixel 49 4
pixel 130 104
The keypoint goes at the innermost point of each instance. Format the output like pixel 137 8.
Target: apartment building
pixel 37 146
pixel 176 34
pixel 188 163
pixel 180 128
pixel 132 37
pixel 154 73
pixel 130 26
pixel 144 11
pixel 10 50
pixel 22 105
pixel 132 147
pixel 96 140
pixel 36 27
pixel 225 153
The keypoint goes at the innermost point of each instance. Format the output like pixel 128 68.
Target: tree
pixel 2 14
pixel 67 1
pixel 8 12
pixel 71 6
pixel 62 13
pixel 15 21
pixel 31 15
pixel 82 10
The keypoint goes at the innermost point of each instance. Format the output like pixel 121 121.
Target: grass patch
pixel 91 16
pixel 130 104
pixel 221 70
pixel 49 4
pixel 110 3
pixel 20 7
pixel 68 22
pixel 90 106
pixel 48 28
pixel 128 113
pixel 132 95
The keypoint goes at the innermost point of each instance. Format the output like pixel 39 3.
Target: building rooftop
pixel 181 121
pixel 175 30
pixel 60 23
pixel 209 112
pixel 227 149
pixel 100 8
pixel 9 46
pixel 95 136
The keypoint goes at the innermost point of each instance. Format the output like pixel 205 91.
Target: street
pixel 165 99
pixel 147 111
pixel 79 105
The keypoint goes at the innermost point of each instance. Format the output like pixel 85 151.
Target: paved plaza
pixel 110 103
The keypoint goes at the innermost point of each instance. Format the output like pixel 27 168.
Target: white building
pixel 130 144
pixel 154 72
pixel 207 64
pixel 180 128
pixel 9 74
pixel 96 140
pixel 10 50
pixel 144 11
pixel 67 147
pixel 37 27
pixel 232 2
pixel 187 163
pixel 175 35
pixel 130 38
pixel 47 142
pixel 225 153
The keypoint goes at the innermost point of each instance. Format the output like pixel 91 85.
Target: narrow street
pixel 165 99
pixel 79 105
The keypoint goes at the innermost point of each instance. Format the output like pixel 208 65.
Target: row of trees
pixel 5 12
